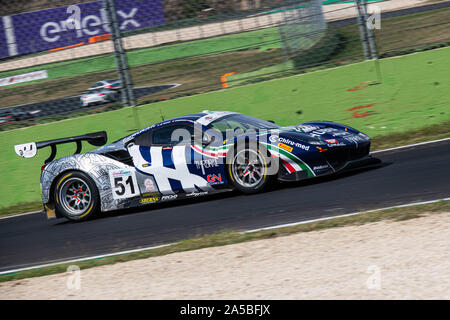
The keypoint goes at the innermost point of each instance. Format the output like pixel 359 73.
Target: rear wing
pixel 29 150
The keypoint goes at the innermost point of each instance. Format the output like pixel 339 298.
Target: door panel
pixel 169 166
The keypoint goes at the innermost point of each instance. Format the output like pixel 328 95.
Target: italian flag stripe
pixel 295 162
pixel 288 166
pixel 209 153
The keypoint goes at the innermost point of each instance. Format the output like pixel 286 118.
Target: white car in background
pixel 100 96
pixel 107 84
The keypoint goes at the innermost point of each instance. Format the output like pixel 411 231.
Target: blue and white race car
pixel 191 156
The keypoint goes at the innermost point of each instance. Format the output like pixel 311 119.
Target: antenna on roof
pixel 162 117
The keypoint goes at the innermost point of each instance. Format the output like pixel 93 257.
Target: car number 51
pixel 123 183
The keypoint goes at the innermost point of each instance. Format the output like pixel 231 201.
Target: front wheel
pixel 248 169
pixel 76 196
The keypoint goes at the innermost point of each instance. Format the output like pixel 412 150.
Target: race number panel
pixel 123 183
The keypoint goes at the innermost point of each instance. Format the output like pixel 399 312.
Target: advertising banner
pixel 25 77
pixel 74 25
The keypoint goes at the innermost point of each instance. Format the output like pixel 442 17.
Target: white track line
pixel 343 215
pixel 378 151
pixel 410 145
pixel 20 214
pixel 87 258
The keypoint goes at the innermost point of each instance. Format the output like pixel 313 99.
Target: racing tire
pixel 249 177
pixel 76 196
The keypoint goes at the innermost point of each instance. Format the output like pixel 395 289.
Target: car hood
pixel 322 132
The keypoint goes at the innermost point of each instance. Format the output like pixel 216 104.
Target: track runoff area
pixel 390 156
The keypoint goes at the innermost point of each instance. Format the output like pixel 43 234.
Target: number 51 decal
pixel 123 183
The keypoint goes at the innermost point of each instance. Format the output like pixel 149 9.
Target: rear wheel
pixel 248 169
pixel 76 196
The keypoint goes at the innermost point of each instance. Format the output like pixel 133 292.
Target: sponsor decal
pixel 120 172
pixel 331 141
pixel 286 142
pixel 78 24
pixel 285 147
pixel 306 128
pixel 341 133
pixel 325 166
pixel 196 194
pixel 339 144
pixel 273 138
pixel 149 185
pixel 24 77
pixel 150 197
pixel 321 150
pixel 206 164
pixel 169 197
pixel 214 178
pixel 326 130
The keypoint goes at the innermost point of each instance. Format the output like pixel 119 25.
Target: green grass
pixel 227 238
pixel 413 33
pixel 413 94
pixel 260 39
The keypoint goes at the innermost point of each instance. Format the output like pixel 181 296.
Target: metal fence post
pixel 123 56
pixel 284 45
pixel 371 37
pixel 120 55
pixel 372 43
pixel 119 67
pixel 362 29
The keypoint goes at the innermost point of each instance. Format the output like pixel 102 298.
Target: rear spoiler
pixel 29 150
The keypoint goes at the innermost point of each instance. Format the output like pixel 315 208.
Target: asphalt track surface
pixel 73 104
pixel 407 175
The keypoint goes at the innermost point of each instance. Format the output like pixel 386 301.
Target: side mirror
pixel 207 140
pixel 129 144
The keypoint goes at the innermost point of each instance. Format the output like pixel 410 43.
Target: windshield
pixel 241 121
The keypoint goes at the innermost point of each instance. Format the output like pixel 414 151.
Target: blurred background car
pixel 107 84
pixel 13 115
pixel 99 96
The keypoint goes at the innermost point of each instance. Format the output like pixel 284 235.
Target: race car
pixel 191 156
pixel 98 97
pixel 107 84
pixel 14 115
